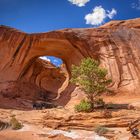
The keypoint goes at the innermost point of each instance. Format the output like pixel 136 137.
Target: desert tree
pixel 91 78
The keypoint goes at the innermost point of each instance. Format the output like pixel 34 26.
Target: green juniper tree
pixel 90 78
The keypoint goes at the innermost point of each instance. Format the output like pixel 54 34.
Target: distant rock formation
pixel 115 44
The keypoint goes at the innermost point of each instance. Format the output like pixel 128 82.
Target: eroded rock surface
pixel 116 45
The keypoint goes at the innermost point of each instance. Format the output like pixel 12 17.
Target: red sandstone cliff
pixel 115 44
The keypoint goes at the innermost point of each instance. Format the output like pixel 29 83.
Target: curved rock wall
pixel 116 45
pixel 46 76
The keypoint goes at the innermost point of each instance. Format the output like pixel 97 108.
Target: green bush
pixel 84 106
pixel 101 130
pixel 15 124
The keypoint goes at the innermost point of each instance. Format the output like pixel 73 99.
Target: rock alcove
pixel 116 45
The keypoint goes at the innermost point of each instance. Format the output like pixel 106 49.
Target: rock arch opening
pixel 116 51
pixel 54 60
pixel 26 71
pixel 53 76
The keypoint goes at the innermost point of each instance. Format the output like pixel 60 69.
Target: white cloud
pixel 111 13
pixel 79 3
pixel 45 58
pixel 98 15
pixel 136 5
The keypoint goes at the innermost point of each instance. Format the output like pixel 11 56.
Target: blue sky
pixel 46 15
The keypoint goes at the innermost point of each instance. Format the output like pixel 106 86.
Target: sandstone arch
pixel 115 44
pixel 27 47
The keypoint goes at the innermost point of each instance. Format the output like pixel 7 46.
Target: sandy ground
pixel 36 133
pixel 33 121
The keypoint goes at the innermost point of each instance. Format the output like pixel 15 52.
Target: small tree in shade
pixel 90 78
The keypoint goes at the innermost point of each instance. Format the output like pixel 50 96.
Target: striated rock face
pixel 115 44
pixel 41 81
pixel 46 76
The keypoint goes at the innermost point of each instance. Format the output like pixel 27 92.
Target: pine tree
pixel 90 78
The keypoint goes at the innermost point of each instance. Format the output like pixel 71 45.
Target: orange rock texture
pixel 115 44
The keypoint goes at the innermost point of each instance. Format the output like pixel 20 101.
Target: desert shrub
pixel 15 124
pixel 99 102
pixel 107 113
pixel 83 106
pixel 101 130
